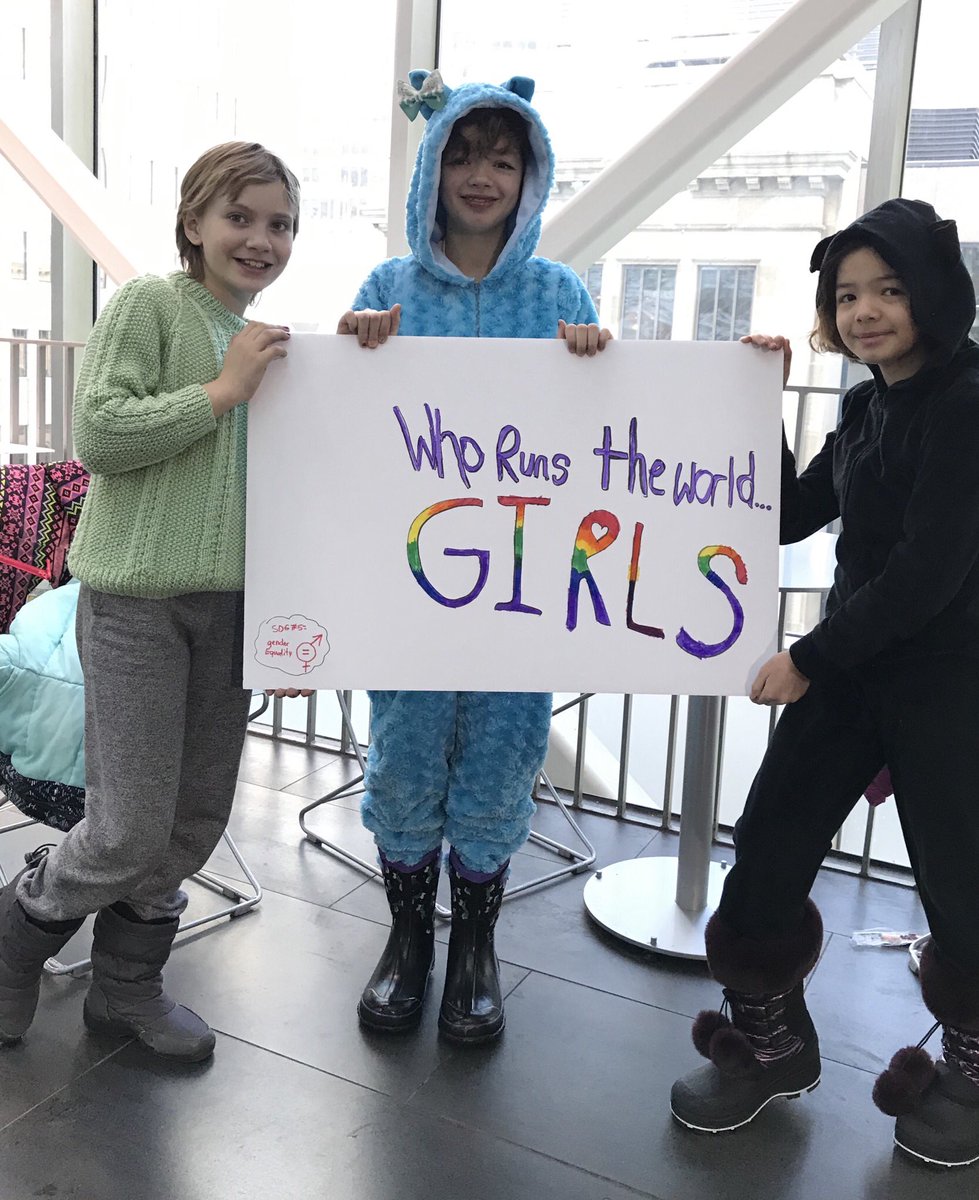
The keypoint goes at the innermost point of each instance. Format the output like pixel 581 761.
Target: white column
pixel 73 120
pixel 892 105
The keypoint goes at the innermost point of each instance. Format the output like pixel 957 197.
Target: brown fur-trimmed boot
pixel 937 1104
pixel 768 1046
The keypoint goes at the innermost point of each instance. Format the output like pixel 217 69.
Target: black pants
pixel 922 720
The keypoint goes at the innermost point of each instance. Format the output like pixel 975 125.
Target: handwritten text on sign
pixel 454 513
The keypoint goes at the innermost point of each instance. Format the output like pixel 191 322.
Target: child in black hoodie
pixel 890 676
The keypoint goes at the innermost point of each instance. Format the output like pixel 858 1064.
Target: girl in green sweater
pixel 160 423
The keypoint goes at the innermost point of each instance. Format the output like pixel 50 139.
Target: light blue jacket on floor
pixel 42 710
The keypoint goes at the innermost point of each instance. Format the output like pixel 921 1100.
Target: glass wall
pixel 25 231
pixel 728 254
pixel 311 82
pixel 941 167
pixel 942 164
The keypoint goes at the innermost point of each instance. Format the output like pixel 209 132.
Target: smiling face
pixel 873 316
pixel 479 188
pixel 245 242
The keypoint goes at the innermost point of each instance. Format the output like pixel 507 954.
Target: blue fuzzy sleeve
pixel 370 294
pixel 577 307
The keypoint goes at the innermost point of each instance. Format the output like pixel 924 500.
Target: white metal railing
pixel 315 723
pixel 37 382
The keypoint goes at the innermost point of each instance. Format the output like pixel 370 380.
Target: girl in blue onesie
pixel 461 766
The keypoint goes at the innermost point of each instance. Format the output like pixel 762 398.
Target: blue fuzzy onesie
pixel 462 765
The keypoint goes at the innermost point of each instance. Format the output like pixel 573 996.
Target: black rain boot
pixel 127 996
pixel 393 998
pixel 768 1048
pixel 937 1104
pixel 472 1003
pixel 25 946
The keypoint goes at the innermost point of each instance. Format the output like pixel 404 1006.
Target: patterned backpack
pixel 39 509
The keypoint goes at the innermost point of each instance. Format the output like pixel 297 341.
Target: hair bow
pixel 431 92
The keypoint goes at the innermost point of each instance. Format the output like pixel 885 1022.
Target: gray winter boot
pixel 768 1048
pixel 24 949
pixel 127 996
pixel 937 1104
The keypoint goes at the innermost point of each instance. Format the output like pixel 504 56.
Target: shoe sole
pixel 114 1029
pixel 935 1162
pixel 740 1125
pixel 479 1039
pixel 377 1024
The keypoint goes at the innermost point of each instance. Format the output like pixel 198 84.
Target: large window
pixel 765 202
pixel 724 299
pixel 942 164
pixel 729 251
pixel 593 282
pixel 25 231
pixel 26 225
pixel 300 78
pixel 648 292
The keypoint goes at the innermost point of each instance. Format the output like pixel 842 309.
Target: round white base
pixel 636 901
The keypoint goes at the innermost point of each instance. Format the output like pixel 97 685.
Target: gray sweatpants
pixel 164 728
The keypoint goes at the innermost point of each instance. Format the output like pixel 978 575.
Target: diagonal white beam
pixel 65 184
pixel 781 60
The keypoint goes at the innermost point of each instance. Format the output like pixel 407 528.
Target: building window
pixel 647 302
pixel 724 296
pixel 593 282
pixel 970 256
pixel 943 135
pixel 21 351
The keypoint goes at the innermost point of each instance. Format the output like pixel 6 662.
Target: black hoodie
pixel 901 470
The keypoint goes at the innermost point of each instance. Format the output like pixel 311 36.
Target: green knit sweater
pixel 165 513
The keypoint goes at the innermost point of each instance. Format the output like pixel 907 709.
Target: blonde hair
pixel 226 170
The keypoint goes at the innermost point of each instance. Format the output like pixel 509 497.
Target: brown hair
pixel 226 170
pixel 825 337
pixel 486 129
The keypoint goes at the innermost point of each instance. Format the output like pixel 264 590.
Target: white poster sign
pixel 498 515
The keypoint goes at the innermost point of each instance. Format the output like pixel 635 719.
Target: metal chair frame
pixel 242 900
pixel 577 860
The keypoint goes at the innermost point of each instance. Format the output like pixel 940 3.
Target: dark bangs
pixel 484 130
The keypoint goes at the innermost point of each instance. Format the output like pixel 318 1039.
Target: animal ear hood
pixel 924 250
pixel 521 86
pixel 443 107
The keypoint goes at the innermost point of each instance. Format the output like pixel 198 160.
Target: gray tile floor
pixel 572 1102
